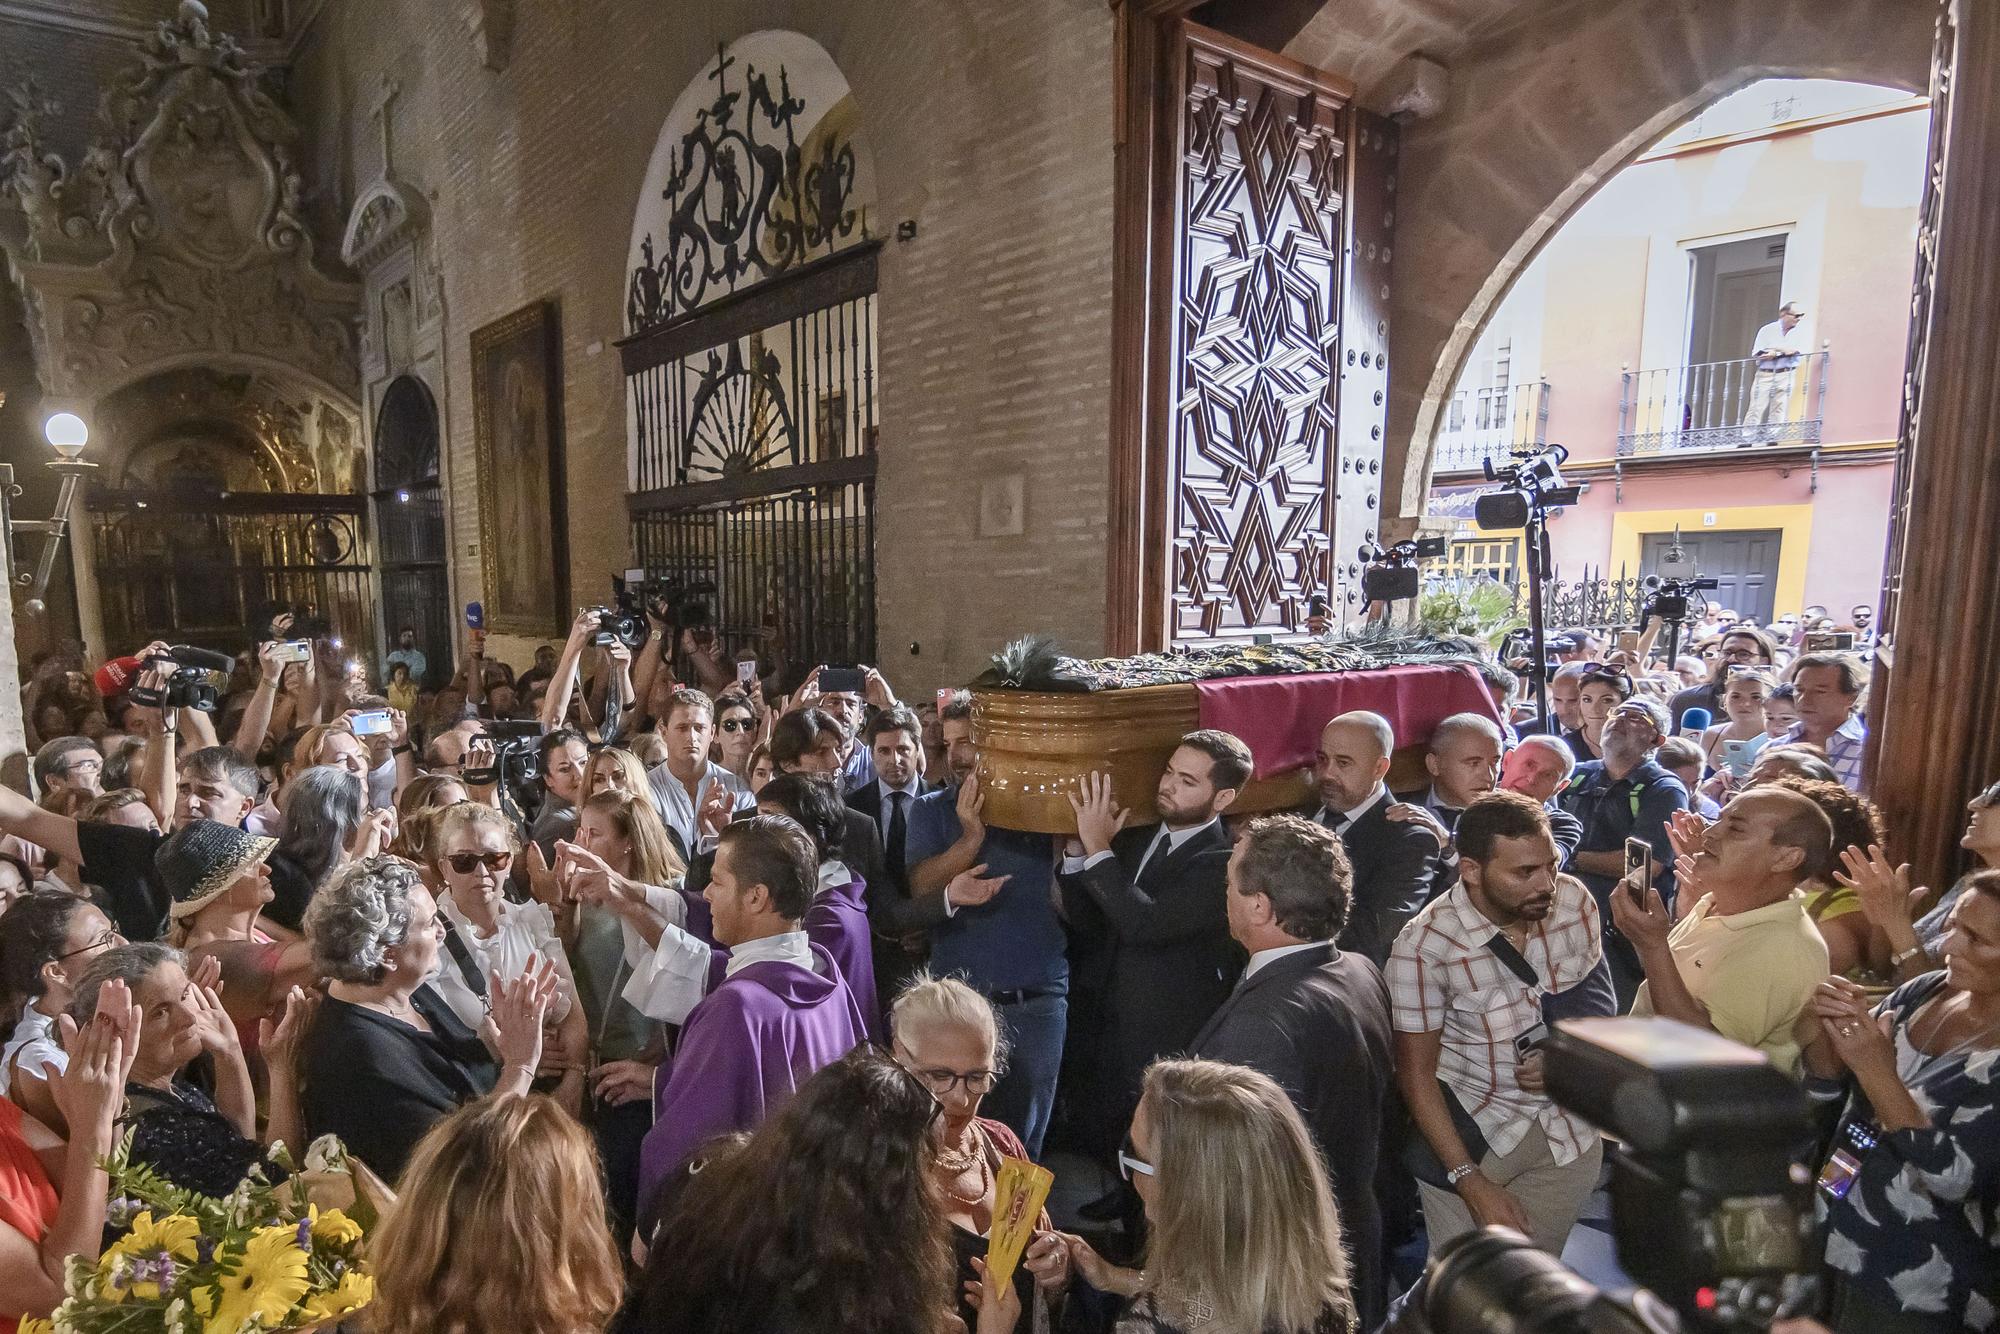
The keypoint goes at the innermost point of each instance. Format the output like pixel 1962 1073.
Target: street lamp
pixel 67 434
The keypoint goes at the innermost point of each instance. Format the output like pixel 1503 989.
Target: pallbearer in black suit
pixel 1397 866
pixel 895 741
pixel 1464 763
pixel 1312 1017
pixel 1151 901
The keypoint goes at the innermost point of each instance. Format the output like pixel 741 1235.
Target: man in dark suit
pixel 1312 1017
pixel 1150 901
pixel 895 741
pixel 1464 764
pixel 1397 866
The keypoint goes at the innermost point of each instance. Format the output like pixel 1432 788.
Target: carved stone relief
pixel 178 236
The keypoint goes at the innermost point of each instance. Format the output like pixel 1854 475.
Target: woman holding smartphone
pixel 1733 744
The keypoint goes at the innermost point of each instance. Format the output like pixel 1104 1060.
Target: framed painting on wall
pixel 518 442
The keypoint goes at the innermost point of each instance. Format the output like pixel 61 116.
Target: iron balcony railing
pixel 1721 405
pixel 1483 424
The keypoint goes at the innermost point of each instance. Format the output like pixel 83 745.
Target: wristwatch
pixel 1898 960
pixel 405 749
pixel 1460 1173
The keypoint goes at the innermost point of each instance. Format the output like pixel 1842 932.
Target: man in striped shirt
pixel 1466 982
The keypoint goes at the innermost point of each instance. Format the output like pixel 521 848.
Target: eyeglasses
pixel 83 767
pixel 1130 1162
pixel 109 940
pixel 978 1083
pixel 465 863
pixel 737 724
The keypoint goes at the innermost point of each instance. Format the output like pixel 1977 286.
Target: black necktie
pixel 1336 821
pixel 898 828
pixel 1146 860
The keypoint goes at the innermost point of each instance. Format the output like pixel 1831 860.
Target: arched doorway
pixel 409 524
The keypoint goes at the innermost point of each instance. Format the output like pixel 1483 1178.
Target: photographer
pixel 615 696
pixel 1469 1021
pixel 1914 1177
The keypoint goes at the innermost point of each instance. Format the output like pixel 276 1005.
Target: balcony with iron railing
pixel 1720 405
pixel 1482 424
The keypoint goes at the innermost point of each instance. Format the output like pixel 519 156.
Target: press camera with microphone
pixel 188 684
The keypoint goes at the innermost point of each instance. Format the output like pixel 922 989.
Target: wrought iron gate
pixel 750 383
pixel 194 568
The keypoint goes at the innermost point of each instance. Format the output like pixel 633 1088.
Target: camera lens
pixel 1496 1283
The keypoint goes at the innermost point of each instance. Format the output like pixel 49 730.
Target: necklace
pixel 957 1161
pixel 957 1158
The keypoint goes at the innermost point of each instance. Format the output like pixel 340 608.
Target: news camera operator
pixel 1912 1184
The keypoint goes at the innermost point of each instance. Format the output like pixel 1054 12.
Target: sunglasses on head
pixel 465 863
pixel 1129 1161
pixel 1606 672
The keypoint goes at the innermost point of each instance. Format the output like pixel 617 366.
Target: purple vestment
pixel 837 922
pixel 744 1049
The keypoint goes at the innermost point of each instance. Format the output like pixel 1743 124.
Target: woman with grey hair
pixel 327 822
pixel 386 1058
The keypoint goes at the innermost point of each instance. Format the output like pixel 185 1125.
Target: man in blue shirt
pixel 1000 932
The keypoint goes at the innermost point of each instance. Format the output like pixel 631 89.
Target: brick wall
pixel 990 127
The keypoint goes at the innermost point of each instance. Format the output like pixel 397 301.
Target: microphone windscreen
pixel 1696 721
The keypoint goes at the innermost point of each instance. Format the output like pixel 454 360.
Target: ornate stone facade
pixel 177 238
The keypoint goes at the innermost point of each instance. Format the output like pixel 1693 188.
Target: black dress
pixel 178 1132
pixel 380 1083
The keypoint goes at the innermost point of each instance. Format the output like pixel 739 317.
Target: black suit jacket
pixel 867 800
pixel 1164 946
pixel 1317 1022
pixel 1398 868
pixel 860 849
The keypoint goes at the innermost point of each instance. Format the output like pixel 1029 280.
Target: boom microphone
pixel 187 655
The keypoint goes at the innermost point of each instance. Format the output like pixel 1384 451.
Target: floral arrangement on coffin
pixel 267 1257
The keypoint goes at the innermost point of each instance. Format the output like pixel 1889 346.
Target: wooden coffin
pixel 1034 745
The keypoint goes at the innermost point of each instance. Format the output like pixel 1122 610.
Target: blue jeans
pixel 1033 1030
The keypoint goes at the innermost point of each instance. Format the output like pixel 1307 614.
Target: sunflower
pixel 333 1228
pixel 172 1236
pixel 354 1291
pixel 35 1325
pixel 262 1283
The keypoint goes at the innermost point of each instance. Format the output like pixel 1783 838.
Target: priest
pixel 780 1011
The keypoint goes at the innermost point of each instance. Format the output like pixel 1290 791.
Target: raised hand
pixel 543 883
pixel 91 1091
pixel 1686 832
pixel 518 1011
pixel 1099 817
pixel 971 805
pixel 1887 900
pixel 279 1040
pixel 212 1023
pixel 969 889
pixel 206 972
pixel 716 809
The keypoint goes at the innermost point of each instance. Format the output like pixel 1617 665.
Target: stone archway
pixel 1543 111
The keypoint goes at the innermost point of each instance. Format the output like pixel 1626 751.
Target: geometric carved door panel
pixel 1258 287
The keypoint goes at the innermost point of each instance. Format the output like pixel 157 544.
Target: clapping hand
pixel 278 1040
pixel 1887 900
pixel 543 884
pixel 716 809
pixel 212 1024
pixel 1844 1015
pixel 971 807
pixel 518 1011
pixel 1099 817
pixel 1686 832
pixel 91 1091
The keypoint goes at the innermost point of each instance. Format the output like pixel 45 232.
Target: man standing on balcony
pixel 1778 349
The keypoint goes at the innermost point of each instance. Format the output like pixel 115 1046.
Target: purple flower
pixel 305 1230
pixel 204 1249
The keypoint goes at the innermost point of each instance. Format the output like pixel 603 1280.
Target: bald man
pixel 1464 764
pixel 1746 959
pixel 1398 866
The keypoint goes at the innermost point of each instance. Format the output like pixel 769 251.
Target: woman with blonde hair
pixel 614 767
pixel 498 1224
pixel 1244 1235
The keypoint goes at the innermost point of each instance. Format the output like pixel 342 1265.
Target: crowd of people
pixel 666 999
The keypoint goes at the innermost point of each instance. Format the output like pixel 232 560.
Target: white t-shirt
pixel 33 1047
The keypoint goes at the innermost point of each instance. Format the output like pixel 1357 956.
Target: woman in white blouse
pixel 486 935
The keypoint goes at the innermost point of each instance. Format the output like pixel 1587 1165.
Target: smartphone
pixel 842 681
pixel 1830 641
pixel 1639 861
pixel 1533 1038
pixel 944 695
pixel 294 650
pixel 375 722
pixel 746 672
pixel 1628 643
pixel 1737 757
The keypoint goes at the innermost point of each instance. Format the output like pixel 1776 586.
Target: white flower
pixel 326 1154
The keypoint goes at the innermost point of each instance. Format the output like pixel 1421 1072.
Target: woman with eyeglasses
pixel 386 1058
pixel 486 936
pixel 739 726
pixel 946 1035
pixel 1243 1230
pixel 47 938
pixel 1600 689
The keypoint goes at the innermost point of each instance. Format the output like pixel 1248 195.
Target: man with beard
pixel 1466 982
pixel 1148 906
pixel 1397 865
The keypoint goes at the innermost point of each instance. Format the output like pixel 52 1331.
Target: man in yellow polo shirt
pixel 1745 960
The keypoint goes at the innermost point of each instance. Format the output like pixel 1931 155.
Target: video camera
pixel 1392 572
pixel 1531 483
pixel 1711 1205
pixel 189 685
pixel 517 759
pixel 1667 598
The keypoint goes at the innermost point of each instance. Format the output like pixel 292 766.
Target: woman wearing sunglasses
pixel 739 726
pixel 946 1035
pixel 1244 1235
pixel 487 936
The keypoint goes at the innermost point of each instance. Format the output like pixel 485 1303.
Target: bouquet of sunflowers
pixel 267 1257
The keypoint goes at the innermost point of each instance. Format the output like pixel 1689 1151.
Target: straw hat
pixel 202 858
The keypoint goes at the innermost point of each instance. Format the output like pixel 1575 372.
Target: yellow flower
pixel 35 1325
pixel 262 1283
pixel 173 1235
pixel 334 1228
pixel 355 1291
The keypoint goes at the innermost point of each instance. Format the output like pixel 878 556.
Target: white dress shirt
pixel 526 929
pixel 1775 337
pixel 1348 817
pixel 680 812
pixel 1171 838
pixel 35 1048
pixel 1262 957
